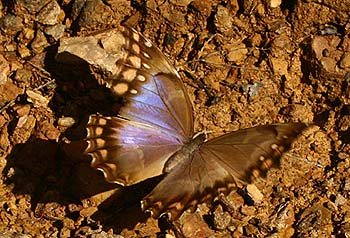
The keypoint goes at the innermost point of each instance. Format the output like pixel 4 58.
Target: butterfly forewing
pixel 152 89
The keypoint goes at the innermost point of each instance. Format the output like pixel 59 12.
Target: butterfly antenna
pixel 296 157
pixel 211 93
pixel 205 132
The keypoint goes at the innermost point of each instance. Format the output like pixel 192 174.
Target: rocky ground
pixel 244 63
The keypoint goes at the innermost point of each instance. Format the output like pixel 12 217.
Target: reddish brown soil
pixel 244 63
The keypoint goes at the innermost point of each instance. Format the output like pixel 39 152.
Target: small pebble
pixel 66 121
pixel 275 3
pixel 22 110
pixel 37 99
pixel 49 15
pixel 345 61
pixel 255 193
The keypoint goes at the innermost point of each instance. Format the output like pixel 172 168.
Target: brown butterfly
pixel 153 135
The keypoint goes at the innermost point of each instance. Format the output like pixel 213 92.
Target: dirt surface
pixel 244 63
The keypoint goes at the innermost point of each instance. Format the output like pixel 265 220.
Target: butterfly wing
pixel 249 153
pixel 154 121
pixel 127 152
pixel 153 92
pixel 197 179
pixel 218 164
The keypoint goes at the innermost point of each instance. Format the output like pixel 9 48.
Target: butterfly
pixel 153 135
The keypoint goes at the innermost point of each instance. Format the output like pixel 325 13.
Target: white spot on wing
pixel 146 66
pixel 136 48
pixel 141 78
pixel 133 91
pixel 129 75
pixel 135 61
pixel 120 88
pixel 148 43
pixel 98 131
pixel 135 36
pixel 146 55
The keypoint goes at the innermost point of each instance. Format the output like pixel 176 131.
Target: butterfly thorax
pixel 186 150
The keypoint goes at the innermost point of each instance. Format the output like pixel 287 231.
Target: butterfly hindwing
pixel 218 165
pixel 127 152
pixel 250 152
pixel 196 180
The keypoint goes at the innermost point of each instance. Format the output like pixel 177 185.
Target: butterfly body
pixel 181 155
pixel 153 135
